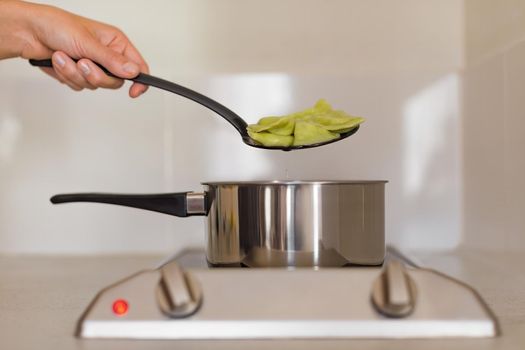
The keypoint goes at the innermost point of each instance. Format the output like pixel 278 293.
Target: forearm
pixel 15 27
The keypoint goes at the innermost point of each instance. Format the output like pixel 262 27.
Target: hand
pixel 39 31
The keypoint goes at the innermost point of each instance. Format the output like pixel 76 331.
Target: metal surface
pixel 195 258
pixel 196 203
pixel 296 223
pixel 394 292
pixel 280 303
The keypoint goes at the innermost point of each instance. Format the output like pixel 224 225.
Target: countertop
pixel 41 299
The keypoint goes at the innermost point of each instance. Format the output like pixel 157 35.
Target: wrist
pixel 15 27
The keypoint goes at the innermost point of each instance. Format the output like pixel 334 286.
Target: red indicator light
pixel 120 307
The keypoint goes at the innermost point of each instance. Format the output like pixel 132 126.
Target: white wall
pixel 494 125
pixel 395 63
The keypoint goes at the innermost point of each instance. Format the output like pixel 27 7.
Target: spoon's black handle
pixel 48 63
pixel 146 79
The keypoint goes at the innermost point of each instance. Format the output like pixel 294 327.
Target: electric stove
pixel 184 298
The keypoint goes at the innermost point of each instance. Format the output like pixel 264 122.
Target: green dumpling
pixel 283 126
pixel 321 107
pixel 271 140
pixel 308 133
pixel 317 124
pixel 336 123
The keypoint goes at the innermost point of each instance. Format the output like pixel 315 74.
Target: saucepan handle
pixel 180 204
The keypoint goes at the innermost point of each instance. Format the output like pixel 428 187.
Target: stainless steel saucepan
pixel 276 223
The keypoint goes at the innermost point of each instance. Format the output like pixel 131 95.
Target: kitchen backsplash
pixel 65 142
pixel 432 129
pixel 494 125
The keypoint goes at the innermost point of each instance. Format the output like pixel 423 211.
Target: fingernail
pixel 60 60
pixel 84 68
pixel 131 68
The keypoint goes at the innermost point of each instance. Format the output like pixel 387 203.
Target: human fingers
pixel 96 77
pixel 63 79
pixel 113 61
pixel 67 68
pixel 136 89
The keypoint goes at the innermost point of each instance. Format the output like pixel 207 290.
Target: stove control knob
pixel 394 292
pixel 178 293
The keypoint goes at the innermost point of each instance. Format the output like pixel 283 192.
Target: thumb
pixel 114 62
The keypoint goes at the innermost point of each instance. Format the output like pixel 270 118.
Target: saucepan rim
pixel 294 182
